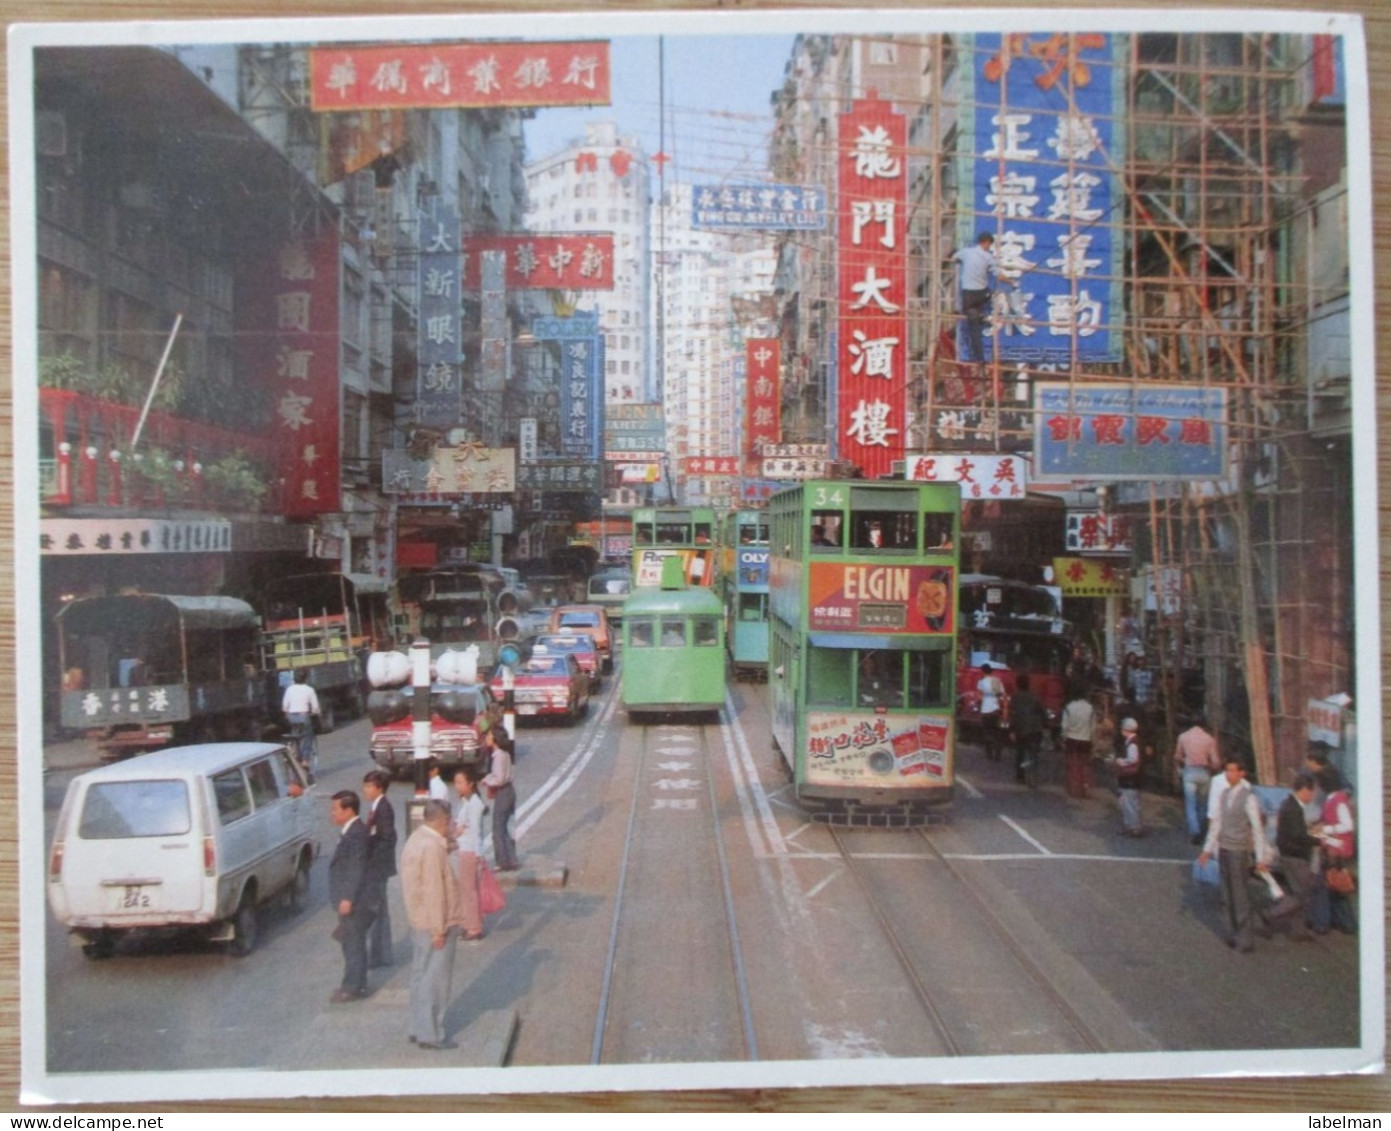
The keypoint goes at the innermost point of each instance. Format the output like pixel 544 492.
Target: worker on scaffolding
pixel 978 263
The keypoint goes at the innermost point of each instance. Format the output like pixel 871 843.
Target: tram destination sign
pixel 846 597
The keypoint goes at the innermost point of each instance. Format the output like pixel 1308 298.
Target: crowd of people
pixel 444 878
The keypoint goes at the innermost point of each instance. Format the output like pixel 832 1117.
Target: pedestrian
pixel 431 895
pixel 467 833
pixel 978 264
pixel 381 863
pixel 1296 845
pixel 503 796
pixel 300 705
pixel 347 893
pixel 1128 779
pixel 1236 837
pixel 441 784
pixel 1078 726
pixel 991 689
pixel 1026 724
pixel 1328 778
pixel 1195 761
pixel 1333 907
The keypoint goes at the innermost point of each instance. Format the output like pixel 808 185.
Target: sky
pixel 718 115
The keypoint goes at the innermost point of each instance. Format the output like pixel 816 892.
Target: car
pixel 578 644
pixel 548 685
pixel 458 714
pixel 591 619
pixel 194 837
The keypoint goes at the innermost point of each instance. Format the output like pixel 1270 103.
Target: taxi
pixel 580 645
pixel 590 619
pixel 548 684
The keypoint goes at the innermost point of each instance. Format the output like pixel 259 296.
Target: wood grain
pixel 1314 1095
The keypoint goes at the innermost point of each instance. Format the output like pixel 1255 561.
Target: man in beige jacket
pixel 433 908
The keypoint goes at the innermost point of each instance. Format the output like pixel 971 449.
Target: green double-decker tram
pixel 686 533
pixel 862 649
pixel 743 586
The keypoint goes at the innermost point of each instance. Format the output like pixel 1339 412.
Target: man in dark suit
pixel 348 893
pixel 380 819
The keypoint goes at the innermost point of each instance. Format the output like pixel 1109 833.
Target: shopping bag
pixel 491 899
pixel 1207 873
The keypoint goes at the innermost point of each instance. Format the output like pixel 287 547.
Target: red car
pixel 548 684
pixel 578 644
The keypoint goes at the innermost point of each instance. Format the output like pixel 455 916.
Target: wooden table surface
pixel 1289 1094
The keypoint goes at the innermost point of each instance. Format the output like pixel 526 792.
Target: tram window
pixel 702 534
pixel 937 532
pixel 673 632
pixel 881 678
pixel 829 674
pixel 825 530
pixel 674 534
pixel 884 530
pixel 752 606
pixel 640 632
pixel 705 631
pixel 927 672
pixel 642 535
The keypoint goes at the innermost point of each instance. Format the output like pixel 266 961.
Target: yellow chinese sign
pixel 1089 577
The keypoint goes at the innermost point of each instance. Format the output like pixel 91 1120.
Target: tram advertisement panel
pixel 846 748
pixel 848 597
pixel 753 567
pixel 647 567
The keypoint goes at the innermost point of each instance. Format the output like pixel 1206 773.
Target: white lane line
pixel 988 857
pixel 566 774
pixel 971 790
pixel 829 877
pixel 1020 830
pixel 746 809
pixel 798 831
pixel 760 799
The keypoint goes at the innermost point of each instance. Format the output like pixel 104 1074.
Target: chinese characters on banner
pixel 712 465
pixel 872 225
pixel 763 207
pixel 582 364
pixel 981 476
pixel 1122 431
pixel 762 393
pixel 576 261
pixel 437 400
pixel 858 748
pixel 881 598
pixel 1089 577
pixel 1044 186
pixel 303 372
pixel 466 469
pixel 460 74
pixel 134 536
pixel 1092 532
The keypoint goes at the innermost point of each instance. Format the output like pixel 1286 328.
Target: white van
pixel 193 836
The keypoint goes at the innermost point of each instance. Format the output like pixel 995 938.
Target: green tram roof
pixel 695 601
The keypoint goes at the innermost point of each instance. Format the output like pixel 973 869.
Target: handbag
pixel 1338 878
pixel 491 899
pixel 1208 873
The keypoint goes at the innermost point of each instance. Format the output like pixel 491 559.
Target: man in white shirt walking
pixel 300 705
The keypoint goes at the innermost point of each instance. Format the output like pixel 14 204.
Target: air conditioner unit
pixel 51 133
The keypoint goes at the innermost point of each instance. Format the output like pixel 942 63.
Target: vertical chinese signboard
pixel 303 372
pixel 440 357
pixel 872 289
pixel 763 393
pixel 1048 114
pixel 581 359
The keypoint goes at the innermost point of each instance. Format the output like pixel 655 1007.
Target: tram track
pixel 671 982
pixel 927 955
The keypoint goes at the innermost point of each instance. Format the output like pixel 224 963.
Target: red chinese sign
pixel 762 393
pixel 713 465
pixel 297 300
pixel 460 74
pixel 881 598
pixel 575 261
pixel 872 230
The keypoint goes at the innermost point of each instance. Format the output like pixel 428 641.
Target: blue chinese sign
pixel 582 363
pixel 799 208
pixel 1041 171
pixel 437 400
pixel 1129 431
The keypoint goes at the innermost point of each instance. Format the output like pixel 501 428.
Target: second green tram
pixel 673 650
pixel 743 586
pixel 862 650
pixel 687 533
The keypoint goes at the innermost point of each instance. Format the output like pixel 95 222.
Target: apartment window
pixel 883 54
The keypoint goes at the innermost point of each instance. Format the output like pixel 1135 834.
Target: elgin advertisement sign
pixel 850 748
pixel 913 599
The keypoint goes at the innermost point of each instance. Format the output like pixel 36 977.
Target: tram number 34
pixel 821 497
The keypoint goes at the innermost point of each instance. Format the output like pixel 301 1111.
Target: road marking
pixel 730 723
pixel 565 775
pixel 969 788
pixel 816 888
pixel 1019 829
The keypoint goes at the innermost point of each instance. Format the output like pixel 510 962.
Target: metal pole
pixel 420 728
pixel 154 384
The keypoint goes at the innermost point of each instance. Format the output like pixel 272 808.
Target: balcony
pixel 86 463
